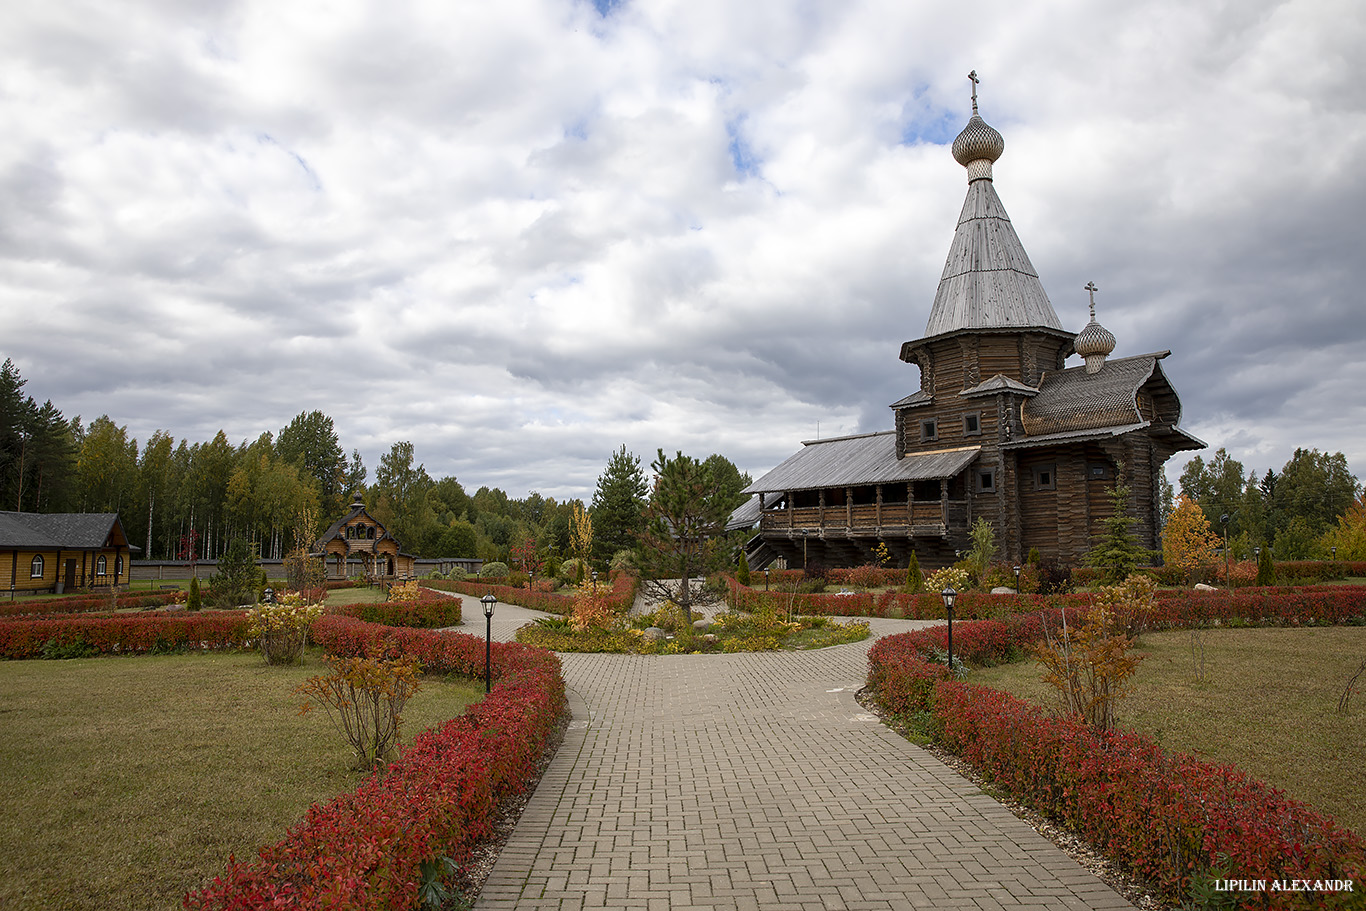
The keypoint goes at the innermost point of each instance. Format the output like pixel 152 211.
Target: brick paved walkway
pixel 757 782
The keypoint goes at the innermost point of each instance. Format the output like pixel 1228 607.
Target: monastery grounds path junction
pixel 756 782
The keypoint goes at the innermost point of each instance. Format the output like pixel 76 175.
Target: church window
pixel 929 430
pixel 972 425
pixel 1045 477
pixel 986 480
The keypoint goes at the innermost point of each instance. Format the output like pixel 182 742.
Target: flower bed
pixel 365 850
pixel 1174 819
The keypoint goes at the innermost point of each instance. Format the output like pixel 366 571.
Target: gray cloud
pixel 522 235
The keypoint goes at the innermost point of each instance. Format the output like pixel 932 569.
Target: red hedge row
pixel 621 595
pixel 125 634
pixel 82 603
pixel 1168 817
pixel 1274 605
pixel 364 850
pixel 426 613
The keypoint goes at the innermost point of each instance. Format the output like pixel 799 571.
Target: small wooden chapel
pixel 1001 427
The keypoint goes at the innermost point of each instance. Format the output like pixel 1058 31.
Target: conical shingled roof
pixel 988 280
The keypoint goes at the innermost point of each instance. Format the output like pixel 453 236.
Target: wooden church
pixel 1000 428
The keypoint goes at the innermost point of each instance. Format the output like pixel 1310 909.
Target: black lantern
pixel 595 580
pixel 765 578
pixel 950 596
pixel 488 601
pixel 1017 578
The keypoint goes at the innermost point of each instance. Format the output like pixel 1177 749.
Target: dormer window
pixel 929 430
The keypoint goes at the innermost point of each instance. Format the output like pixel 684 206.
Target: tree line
pixel 1302 512
pixel 178 499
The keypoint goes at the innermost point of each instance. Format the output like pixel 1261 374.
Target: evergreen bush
pixel 915 579
pixel 1266 568
pixel 194 600
pixel 495 569
pixel 742 572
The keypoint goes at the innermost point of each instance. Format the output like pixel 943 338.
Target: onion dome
pixel 979 145
pixel 979 141
pixel 1094 342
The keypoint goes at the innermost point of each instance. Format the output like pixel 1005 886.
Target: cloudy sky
pixel 522 233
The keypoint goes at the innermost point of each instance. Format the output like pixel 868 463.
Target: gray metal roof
pixel 868 458
pixel 1073 399
pixel 746 515
pixel 78 531
pixel 988 280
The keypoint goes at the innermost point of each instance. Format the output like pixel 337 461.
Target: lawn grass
pixel 1267 703
pixel 367 595
pixel 129 781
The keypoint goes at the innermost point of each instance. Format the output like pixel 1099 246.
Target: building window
pixel 35 569
pixel 1045 477
pixel 972 425
pixel 986 480
pixel 929 430
pixel 101 565
pixel 1098 471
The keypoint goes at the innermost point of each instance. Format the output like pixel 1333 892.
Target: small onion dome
pixel 1094 343
pixel 978 142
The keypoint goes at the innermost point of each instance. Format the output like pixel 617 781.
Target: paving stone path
pixel 756 782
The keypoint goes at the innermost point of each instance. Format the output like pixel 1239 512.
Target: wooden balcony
pixel 921 518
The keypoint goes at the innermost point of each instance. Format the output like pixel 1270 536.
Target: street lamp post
pixel 488 601
pixel 1017 578
pixel 595 581
pixel 949 596
pixel 765 578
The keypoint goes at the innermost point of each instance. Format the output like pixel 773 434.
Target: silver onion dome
pixel 1094 342
pixel 978 142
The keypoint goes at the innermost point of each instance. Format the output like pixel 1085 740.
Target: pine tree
pixel 1117 552
pixel 687 515
pixel 742 572
pixel 193 601
pixel 618 507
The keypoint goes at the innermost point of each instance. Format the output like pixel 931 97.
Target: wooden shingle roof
pixel 1073 399
pixel 988 281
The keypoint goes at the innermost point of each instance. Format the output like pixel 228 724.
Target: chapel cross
pixel 1092 289
pixel 975 80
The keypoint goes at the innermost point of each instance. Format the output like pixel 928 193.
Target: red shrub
pixel 428 612
pixel 364 850
pixel 126 634
pixel 1170 818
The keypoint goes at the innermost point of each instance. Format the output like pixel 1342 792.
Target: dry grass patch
pixel 1266 702
pixel 130 780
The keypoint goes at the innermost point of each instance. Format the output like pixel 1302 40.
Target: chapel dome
pixel 1094 339
pixel 978 142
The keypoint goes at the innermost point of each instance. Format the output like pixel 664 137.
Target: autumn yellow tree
pixel 1347 540
pixel 1187 541
pixel 581 533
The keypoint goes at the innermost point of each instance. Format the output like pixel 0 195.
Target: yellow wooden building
pixel 61 552
pixel 358 537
